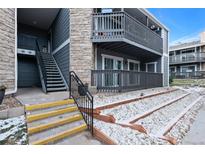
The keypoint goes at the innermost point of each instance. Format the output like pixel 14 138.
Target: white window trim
pixel 195 67
pixel 133 61
pixel 111 57
pixel 175 68
pixel 155 66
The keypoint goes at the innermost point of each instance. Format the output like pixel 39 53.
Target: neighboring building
pixel 38 47
pixel 187 60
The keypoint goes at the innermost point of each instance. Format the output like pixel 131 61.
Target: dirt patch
pixel 9 102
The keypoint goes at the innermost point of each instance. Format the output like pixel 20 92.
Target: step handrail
pixel 83 98
pixel 40 68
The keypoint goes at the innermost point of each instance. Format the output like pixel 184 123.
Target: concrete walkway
pixel 196 136
pixel 36 95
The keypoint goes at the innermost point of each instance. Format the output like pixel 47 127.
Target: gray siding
pixel 60 33
pixel 28 75
pixel 125 58
pixel 112 53
pixel 60 28
pixel 27 36
pixel 62 59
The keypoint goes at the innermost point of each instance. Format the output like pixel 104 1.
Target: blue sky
pixel 184 24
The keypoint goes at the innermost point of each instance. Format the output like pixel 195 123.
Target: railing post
pixel 70 84
pixel 120 81
pixel 82 98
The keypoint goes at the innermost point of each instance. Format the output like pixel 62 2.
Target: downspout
pixel 16 69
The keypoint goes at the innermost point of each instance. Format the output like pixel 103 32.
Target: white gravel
pixel 130 110
pixel 160 118
pixel 127 136
pixel 105 99
pixel 13 131
pixel 183 125
pixel 155 121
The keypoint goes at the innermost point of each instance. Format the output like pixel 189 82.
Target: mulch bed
pixel 9 102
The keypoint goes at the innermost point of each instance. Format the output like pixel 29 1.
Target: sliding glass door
pixel 112 78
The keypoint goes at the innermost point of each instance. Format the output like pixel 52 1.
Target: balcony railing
pixel 188 75
pixel 108 27
pixel 187 58
pixel 123 80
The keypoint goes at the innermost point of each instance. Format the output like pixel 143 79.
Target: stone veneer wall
pixel 7 48
pixel 81 47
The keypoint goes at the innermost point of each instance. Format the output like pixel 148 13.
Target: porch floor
pixel 36 95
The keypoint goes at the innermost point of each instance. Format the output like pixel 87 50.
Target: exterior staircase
pixel 48 123
pixel 51 77
pixel 54 79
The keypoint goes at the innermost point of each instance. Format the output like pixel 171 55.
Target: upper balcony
pixel 187 58
pixel 121 27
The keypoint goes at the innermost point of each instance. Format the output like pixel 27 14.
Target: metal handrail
pixel 41 68
pixel 83 98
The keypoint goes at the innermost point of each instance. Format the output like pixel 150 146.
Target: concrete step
pixel 59 133
pixel 51 119
pixel 39 116
pixel 43 127
pixel 49 104
pixel 81 138
pixel 50 109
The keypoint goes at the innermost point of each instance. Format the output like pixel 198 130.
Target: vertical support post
pixel 70 84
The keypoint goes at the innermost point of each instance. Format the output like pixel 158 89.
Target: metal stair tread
pixel 59 81
pixel 55 85
pixel 54 89
pixel 51 78
pixel 54 75
pixel 50 133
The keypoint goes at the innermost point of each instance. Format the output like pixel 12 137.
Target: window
pixel 133 65
pixel 151 67
pixel 188 68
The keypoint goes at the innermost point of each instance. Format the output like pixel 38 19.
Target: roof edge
pixel 149 14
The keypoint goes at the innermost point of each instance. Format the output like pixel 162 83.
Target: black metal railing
pixel 41 67
pixel 117 25
pixel 188 75
pixel 123 80
pixel 83 98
